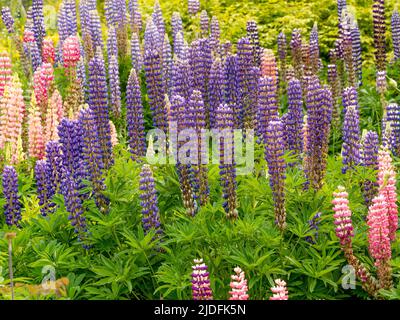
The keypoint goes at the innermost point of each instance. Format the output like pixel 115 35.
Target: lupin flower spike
pixel 238 286
pixel 201 288
pixel 280 291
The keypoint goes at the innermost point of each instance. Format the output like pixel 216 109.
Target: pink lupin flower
pixel 378 233
pixel 12 110
pixel 387 188
pixel 42 79
pixel 71 52
pixel 36 141
pixel 29 36
pixel 238 286
pixel 279 291
pixel 114 137
pixel 5 71
pixel 342 216
pixel 48 52
pixel 53 117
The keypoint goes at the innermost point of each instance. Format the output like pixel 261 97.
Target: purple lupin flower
pixel 204 23
pixel 274 152
pixel 167 64
pixel 152 38
pixel 348 54
pixel 136 16
pixel 62 25
pixel 45 188
pixel 350 98
pixel 71 139
pixel 182 78
pixel 134 117
pixel 179 115
pixel 112 47
pixel 81 76
pixel 319 115
pixel 225 123
pixel 115 90
pixel 351 139
pixel 38 22
pixel 8 20
pixel 31 49
pixel 73 204
pixel 282 54
pixel 215 35
pixel 216 90
pixel 245 64
pixel 193 6
pixel 391 128
pixel 369 159
pixel 195 119
pixel 342 5
pixel 314 226
pixel 378 10
pixel 231 86
pixel 201 289
pixel 136 53
pixel 109 12
pixel 252 34
pixel 95 30
pixel 158 18
pixel 294 119
pixel 98 102
pixel 267 108
pixel 149 202
pixel 297 55
pixel 395 23
pixel 356 43
pixel 176 25
pixel 92 156
pixel 12 206
pixel 179 47
pixel 54 158
pixel 314 50
pixel 334 83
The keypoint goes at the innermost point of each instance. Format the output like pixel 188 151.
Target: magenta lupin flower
pixel 201 289
pixel 238 285
pixel 280 291
pixel 342 216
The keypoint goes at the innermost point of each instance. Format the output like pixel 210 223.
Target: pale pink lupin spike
pixel 238 286
pixel 279 291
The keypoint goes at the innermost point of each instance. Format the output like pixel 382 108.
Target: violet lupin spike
pixel 351 139
pixel 334 83
pixel 8 20
pixel 348 53
pixel 294 120
pixel 158 18
pixel 296 49
pixel 252 34
pixel 115 90
pixel 395 23
pixel 378 10
pixel 149 202
pixel 282 54
pixel 204 23
pixel 391 126
pixel 369 159
pixel 314 50
pixel 38 22
pixel 193 6
pixel 176 25
pixel 92 157
pixel 45 188
pixel 356 42
pixel 274 152
pixel 167 64
pixel 112 48
pixel 215 34
pixel 225 123
pixel 95 30
pixel 216 90
pixel 98 102
pixel 231 86
pixel 267 109
pixel 12 206
pixel 73 204
pixel 54 157
pixel 136 16
pixel 201 289
pixel 134 117
pixel 136 53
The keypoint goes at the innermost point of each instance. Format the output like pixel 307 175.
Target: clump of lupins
pixel 395 22
pixel 280 291
pixel 351 138
pixel 98 102
pixel 45 188
pixel 12 206
pixel 238 286
pixel 274 152
pixel 12 112
pixel 201 289
pixel 92 156
pixel 225 124
pixel 294 119
pixel 149 202
pixel 369 159
pixel 134 117
pixel 379 42
pixel 5 71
